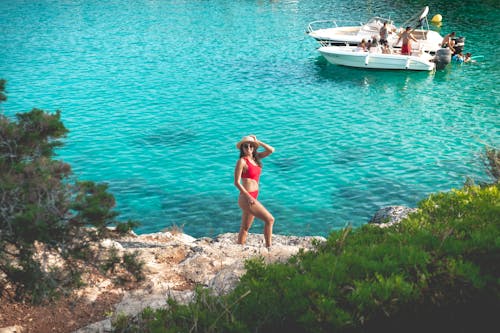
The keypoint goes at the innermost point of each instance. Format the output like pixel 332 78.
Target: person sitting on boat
pixel 362 45
pixel 386 49
pixel 449 42
pixel 407 37
pixel 374 47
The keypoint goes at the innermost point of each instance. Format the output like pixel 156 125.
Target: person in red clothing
pixel 407 38
pixel 246 179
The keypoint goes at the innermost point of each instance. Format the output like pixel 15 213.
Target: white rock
pixel 12 329
pixel 175 263
pixel 388 216
pixel 109 243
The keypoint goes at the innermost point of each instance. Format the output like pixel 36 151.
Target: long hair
pixel 254 155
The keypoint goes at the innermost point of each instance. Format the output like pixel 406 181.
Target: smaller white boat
pixel 352 56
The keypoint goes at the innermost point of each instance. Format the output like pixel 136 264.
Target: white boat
pixel 352 56
pixel 332 32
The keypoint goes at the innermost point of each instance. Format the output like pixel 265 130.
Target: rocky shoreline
pixel 175 263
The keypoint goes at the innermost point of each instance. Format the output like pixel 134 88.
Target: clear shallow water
pixel 156 94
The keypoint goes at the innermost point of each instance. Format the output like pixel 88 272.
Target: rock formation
pixel 175 263
pixel 387 216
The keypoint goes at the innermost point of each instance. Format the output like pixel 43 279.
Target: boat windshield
pixel 374 24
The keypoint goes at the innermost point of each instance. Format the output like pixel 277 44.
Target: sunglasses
pixel 247 145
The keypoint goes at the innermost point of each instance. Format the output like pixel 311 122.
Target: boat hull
pixel 351 57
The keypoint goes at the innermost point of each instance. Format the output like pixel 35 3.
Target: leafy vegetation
pixel 47 222
pixel 438 270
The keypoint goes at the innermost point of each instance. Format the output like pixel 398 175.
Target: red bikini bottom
pixel 254 194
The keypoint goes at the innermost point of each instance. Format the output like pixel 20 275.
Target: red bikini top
pixel 252 172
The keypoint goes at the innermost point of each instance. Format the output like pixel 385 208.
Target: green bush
pixel 42 212
pixel 438 270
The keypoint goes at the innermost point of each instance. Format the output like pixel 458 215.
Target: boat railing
pixel 323 43
pixel 372 25
pixel 325 24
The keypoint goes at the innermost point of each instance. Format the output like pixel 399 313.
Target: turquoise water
pixel 156 94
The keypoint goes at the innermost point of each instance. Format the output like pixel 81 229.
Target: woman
pixel 362 45
pixel 246 179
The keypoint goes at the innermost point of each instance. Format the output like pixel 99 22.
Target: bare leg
pixel 259 211
pixel 246 223
pixel 268 232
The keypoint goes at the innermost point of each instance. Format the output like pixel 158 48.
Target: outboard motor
pixel 459 44
pixel 442 58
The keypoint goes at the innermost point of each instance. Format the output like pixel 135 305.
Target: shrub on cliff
pixel 43 215
pixel 492 163
pixel 436 271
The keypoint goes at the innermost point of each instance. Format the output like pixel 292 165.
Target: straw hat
pixel 248 138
